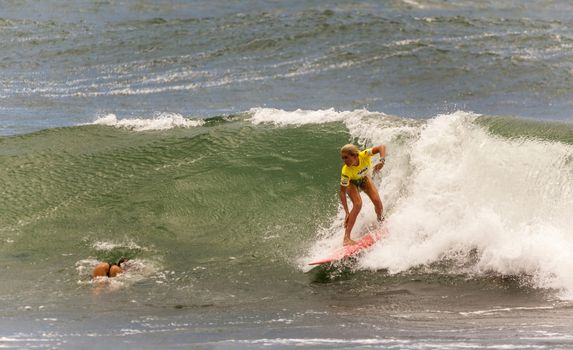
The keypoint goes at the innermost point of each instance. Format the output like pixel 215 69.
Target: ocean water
pixel 200 140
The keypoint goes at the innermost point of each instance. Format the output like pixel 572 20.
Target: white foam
pixel 407 42
pixel 509 199
pixel 298 117
pixel 162 121
pixel 361 122
pixel 321 341
pixel 505 310
pixel 109 246
pixel 413 4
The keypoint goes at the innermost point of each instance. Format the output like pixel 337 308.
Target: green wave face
pixel 226 189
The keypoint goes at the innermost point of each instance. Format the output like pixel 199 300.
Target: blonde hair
pixel 350 149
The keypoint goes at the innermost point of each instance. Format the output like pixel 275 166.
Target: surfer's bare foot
pixel 348 241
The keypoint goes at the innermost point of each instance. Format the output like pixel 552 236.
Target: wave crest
pixel 163 121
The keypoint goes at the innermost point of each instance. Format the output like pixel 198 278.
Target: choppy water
pixel 201 141
pixel 64 63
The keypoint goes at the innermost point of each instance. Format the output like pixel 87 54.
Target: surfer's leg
pixel 374 196
pixel 356 206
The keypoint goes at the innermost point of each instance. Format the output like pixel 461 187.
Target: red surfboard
pixel 362 244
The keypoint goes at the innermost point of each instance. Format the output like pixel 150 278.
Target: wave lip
pixel 163 121
pixel 299 117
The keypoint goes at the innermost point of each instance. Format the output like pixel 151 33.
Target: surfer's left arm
pixel 381 150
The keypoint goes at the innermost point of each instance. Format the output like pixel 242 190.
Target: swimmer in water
pixel 104 269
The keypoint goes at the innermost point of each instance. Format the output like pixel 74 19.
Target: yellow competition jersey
pixel 357 172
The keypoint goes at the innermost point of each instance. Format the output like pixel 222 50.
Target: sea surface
pixel 200 140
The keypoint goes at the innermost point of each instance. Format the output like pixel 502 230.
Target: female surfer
pixel 356 177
